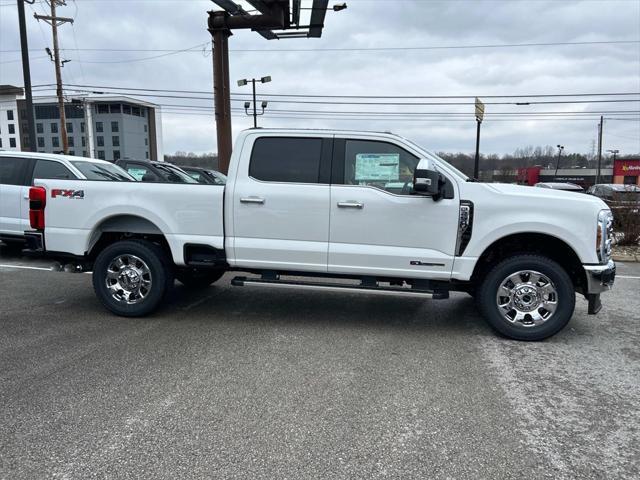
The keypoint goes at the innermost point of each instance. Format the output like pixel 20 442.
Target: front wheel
pixel 527 297
pixel 130 277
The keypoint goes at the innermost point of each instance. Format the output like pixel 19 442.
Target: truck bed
pixel 78 211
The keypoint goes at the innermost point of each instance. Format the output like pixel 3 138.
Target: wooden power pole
pixel 56 21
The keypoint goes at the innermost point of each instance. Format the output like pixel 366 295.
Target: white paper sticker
pixel 377 166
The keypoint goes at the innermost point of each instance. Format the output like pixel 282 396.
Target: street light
pixel 245 81
pixel 560 149
pixel 614 152
pixel 336 8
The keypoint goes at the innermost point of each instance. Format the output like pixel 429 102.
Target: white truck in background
pixel 371 209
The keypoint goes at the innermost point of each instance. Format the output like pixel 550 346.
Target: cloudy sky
pixel 375 47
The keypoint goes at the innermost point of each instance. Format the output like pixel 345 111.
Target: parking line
pixel 24 267
pixel 627 276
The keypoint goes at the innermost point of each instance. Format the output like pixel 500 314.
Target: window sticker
pixel 137 173
pixel 377 166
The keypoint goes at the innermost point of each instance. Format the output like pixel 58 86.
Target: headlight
pixel 604 235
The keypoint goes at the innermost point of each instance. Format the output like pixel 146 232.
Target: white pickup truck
pixel 354 211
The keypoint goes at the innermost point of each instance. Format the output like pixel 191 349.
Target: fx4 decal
pixel 57 192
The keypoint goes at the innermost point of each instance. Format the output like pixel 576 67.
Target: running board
pixel 335 287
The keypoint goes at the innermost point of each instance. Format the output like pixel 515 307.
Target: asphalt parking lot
pixel 249 383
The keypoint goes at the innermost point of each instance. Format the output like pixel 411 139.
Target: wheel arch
pixel 121 227
pixel 543 244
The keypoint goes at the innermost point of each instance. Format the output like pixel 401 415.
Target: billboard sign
pixel 627 168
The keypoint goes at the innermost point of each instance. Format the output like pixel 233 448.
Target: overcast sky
pixel 181 24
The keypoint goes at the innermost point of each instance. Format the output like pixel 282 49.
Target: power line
pixel 332 102
pixel 206 92
pixel 354 49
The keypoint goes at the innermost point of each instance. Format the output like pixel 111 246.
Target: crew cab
pixel 336 210
pixel 17 172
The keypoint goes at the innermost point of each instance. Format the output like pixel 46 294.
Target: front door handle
pixel 351 204
pixel 256 200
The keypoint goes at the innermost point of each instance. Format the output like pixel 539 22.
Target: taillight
pixel 37 202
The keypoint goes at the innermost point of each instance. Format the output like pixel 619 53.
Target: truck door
pixel 377 226
pixel 280 212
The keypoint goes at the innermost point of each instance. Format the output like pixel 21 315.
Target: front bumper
pixel 600 278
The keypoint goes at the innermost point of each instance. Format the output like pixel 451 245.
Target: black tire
pixel 488 290
pixel 160 273
pixel 198 278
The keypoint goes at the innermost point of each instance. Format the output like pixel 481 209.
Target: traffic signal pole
pixel 222 96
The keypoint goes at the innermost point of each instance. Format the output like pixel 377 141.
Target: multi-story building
pixel 9 124
pixel 98 126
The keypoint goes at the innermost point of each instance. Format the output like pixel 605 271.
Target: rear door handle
pixel 256 200
pixel 350 204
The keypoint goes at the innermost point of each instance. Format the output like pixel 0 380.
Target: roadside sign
pixel 479 110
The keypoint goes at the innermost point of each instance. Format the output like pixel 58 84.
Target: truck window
pixel 379 164
pixel 102 171
pixel 140 172
pixel 291 160
pixel 46 169
pixel 12 170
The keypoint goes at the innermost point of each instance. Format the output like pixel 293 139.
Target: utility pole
pixel 26 74
pixel 600 125
pixel 56 21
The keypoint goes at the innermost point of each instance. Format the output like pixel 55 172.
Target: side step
pixel 334 287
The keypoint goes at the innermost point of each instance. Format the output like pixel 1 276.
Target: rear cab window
pixel 49 169
pixel 290 160
pixel 12 170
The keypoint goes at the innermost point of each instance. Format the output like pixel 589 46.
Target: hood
pixel 544 195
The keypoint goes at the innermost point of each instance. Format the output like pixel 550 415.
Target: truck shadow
pixel 223 303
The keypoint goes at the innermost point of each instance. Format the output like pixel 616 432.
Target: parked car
pixel 569 187
pixel 205 175
pixel 158 172
pixel 314 204
pixel 18 170
pixel 617 195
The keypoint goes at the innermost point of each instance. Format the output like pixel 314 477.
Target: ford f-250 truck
pixel 353 211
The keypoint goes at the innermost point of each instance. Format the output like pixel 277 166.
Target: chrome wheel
pixel 527 298
pixel 128 279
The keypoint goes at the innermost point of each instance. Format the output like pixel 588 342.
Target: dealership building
pixel 624 171
pixel 98 126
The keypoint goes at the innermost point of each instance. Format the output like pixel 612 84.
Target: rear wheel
pixel 198 278
pixel 131 277
pixel 527 297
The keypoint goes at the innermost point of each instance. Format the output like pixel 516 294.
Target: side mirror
pixel 427 182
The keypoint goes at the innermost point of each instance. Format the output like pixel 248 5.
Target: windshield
pixel 174 174
pixel 433 156
pixel 103 171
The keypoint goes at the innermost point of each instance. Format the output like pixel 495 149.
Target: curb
pixel 625 258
